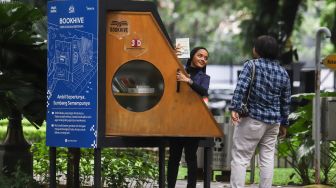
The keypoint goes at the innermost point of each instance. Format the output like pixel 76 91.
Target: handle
pixel 178 84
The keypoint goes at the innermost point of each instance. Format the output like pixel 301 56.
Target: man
pixel 268 109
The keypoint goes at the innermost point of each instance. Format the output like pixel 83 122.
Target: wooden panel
pixel 176 114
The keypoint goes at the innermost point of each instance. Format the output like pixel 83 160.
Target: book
pixel 183 47
pixel 141 90
pixel 127 82
pixel 115 89
pixel 120 86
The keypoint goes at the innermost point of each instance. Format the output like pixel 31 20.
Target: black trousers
pixel 176 146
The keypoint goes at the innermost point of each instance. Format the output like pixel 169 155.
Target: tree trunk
pixel 288 15
pixel 15 150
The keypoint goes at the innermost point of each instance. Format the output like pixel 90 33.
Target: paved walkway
pixel 183 184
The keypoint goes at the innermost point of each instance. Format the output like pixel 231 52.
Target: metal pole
pixel 97 168
pixel 76 161
pixel 207 164
pixel 317 120
pixel 52 168
pixel 162 153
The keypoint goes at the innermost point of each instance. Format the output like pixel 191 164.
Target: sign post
pixel 72 74
pixel 317 120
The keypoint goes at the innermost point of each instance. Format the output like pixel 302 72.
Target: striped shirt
pixel 269 99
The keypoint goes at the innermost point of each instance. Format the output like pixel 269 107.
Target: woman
pixel 199 82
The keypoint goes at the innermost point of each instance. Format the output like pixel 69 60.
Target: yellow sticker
pixel 330 61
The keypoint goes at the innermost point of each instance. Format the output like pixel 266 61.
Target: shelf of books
pixel 135 94
pixel 137 85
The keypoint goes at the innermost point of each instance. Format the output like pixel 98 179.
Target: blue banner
pixel 72 73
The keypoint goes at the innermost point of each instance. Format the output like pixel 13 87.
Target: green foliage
pixel 30 132
pixel 86 165
pixel 120 167
pixel 228 28
pixel 328 19
pixel 299 146
pixel 18 179
pixel 280 178
pixel 22 61
pixel 211 24
pixel 328 13
pixel 41 162
pixel 128 167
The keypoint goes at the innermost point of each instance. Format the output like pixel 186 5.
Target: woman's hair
pixel 266 47
pixel 192 53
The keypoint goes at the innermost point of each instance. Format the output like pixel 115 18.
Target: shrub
pixel 120 167
pixel 299 145
pixel 134 167
pixel 18 179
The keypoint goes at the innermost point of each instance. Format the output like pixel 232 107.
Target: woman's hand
pixel 178 49
pixel 235 117
pixel 182 77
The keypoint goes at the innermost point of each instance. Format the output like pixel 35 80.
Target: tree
pixel 23 62
pixel 212 24
pixel 281 17
pixel 22 71
pixel 228 28
pixel 329 19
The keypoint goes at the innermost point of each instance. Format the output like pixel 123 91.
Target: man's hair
pixel 266 47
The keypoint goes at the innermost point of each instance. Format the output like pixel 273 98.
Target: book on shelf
pixel 115 89
pixel 120 86
pixel 128 85
pixel 143 90
pixel 127 82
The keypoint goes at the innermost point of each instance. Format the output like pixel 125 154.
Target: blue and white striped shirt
pixel 269 99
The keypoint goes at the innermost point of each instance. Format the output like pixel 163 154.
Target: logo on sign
pixel 119 27
pixel 71 9
pixel 53 9
pixel 136 43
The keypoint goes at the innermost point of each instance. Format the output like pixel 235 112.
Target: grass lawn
pixel 28 130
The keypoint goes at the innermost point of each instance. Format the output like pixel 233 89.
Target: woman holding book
pixel 199 82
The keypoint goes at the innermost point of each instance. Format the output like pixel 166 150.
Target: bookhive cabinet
pixel 112 73
pixel 141 87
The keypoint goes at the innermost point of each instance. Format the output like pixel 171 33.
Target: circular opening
pixel 137 85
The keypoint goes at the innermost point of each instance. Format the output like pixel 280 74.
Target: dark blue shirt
pixel 200 81
pixel 269 99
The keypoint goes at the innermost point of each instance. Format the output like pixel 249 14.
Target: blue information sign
pixel 72 73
